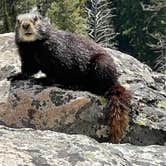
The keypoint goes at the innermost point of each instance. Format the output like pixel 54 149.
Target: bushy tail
pixel 119 101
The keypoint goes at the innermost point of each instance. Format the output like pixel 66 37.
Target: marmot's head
pixel 28 27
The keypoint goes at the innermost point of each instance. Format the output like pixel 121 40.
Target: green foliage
pixel 140 25
pixel 67 15
pixel 100 24
pixel 6 19
pixel 6 23
pixel 10 9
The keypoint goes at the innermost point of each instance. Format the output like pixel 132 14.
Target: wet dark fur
pixel 71 59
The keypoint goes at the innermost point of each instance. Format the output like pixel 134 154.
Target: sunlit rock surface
pixel 28 104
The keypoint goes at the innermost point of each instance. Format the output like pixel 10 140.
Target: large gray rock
pixel 47 148
pixel 28 104
pixel 148 114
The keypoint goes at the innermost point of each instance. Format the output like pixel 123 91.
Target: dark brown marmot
pixel 70 59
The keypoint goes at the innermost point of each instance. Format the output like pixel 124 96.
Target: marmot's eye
pixel 35 18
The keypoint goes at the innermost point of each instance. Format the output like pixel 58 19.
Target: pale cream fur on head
pixel 27 27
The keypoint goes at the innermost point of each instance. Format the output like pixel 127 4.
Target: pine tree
pixel 10 9
pixel 6 18
pixel 160 49
pixel 140 25
pixel 43 5
pixel 156 28
pixel 99 22
pixel 67 15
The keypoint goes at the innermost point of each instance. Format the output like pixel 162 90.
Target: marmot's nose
pixel 25 25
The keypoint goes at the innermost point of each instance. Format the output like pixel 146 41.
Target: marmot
pixel 71 59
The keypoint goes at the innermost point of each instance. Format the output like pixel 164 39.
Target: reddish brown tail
pixel 119 101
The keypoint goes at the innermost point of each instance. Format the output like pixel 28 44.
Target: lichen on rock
pixel 29 104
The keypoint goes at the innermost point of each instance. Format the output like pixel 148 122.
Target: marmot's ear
pixel 47 20
pixel 44 19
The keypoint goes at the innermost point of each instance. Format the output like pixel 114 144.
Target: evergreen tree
pixel 157 30
pixel 43 6
pixel 6 18
pixel 10 9
pixel 99 22
pixel 160 48
pixel 139 25
pixel 67 15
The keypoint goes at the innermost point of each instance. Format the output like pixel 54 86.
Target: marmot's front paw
pixel 18 76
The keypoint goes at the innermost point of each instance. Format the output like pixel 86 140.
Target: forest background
pixel 136 27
